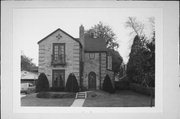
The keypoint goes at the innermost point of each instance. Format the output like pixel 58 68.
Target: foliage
pixel 26 63
pixel 55 95
pixel 136 26
pixel 107 85
pixel 42 84
pixel 105 32
pixel 141 89
pixel 141 65
pixel 72 84
pixel 122 84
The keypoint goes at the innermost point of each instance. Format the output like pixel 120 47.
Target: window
pixel 58 78
pixel 91 55
pixel 109 62
pixel 58 53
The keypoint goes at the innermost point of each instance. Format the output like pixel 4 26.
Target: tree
pixel 26 63
pixel 42 84
pixel 136 26
pixel 105 32
pixel 72 84
pixel 141 65
pixel 107 85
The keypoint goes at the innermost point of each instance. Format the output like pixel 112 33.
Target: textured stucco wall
pixel 72 49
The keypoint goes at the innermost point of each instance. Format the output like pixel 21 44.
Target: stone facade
pixel 95 62
pixel 72 56
pixel 78 61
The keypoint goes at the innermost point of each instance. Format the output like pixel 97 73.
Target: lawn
pixel 125 98
pixel 32 100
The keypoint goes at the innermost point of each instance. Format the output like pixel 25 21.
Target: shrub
pixel 72 84
pixel 42 84
pixel 122 85
pixel 55 95
pixel 143 90
pixel 57 89
pixel 107 85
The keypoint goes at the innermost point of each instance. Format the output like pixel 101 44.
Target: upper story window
pixel 58 56
pixel 109 62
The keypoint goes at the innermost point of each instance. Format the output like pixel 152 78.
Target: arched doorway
pixel 92 80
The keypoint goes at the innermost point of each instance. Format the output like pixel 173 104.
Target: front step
pixel 81 95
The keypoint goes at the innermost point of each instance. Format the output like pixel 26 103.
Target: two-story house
pixel 61 54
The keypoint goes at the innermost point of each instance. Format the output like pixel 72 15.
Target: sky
pixel 32 25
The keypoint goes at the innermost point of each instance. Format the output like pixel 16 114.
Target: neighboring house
pixel 29 77
pixel 61 54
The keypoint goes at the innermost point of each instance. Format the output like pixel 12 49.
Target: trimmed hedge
pixel 72 84
pixel 42 84
pixel 57 89
pixel 107 85
pixel 143 90
pixel 122 85
pixel 55 95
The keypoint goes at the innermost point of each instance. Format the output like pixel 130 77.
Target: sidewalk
pixel 79 100
pixel 78 103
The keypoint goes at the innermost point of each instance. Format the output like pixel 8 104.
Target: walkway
pixel 80 98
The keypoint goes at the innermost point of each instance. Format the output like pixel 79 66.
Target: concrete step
pixel 81 95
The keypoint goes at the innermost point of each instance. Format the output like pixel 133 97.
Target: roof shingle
pixel 94 44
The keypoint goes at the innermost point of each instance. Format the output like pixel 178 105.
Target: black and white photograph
pixel 86 57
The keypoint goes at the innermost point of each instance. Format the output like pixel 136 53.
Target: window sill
pixel 56 63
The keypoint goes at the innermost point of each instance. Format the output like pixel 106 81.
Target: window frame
pixel 91 54
pixel 108 62
pixel 53 54
pixel 63 77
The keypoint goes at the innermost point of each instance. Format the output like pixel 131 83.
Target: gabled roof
pixel 94 44
pixel 64 33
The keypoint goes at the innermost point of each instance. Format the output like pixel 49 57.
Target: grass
pixel 125 98
pixel 55 95
pixel 32 100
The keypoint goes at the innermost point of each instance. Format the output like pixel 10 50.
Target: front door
pixel 58 78
pixel 92 80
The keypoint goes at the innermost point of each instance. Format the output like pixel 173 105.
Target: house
pixel 29 77
pixel 61 54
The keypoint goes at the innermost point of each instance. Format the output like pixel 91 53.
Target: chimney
pixel 81 35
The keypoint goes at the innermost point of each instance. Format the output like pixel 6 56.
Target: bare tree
pixel 136 26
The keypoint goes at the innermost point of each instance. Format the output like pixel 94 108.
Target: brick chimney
pixel 81 35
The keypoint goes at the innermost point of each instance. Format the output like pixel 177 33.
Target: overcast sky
pixel 32 25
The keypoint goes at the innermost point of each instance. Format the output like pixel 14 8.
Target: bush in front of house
pixel 107 85
pixel 123 84
pixel 42 84
pixel 141 89
pixel 54 95
pixel 72 84
pixel 56 89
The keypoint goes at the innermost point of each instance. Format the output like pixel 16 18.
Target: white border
pixel 170 93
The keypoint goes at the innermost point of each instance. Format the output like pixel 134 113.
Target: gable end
pixel 64 33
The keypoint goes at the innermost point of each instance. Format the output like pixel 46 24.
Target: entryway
pixel 58 77
pixel 92 80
